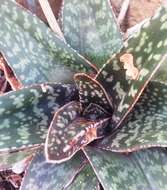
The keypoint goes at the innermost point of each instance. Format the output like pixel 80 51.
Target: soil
pixel 36 9
pixel 138 10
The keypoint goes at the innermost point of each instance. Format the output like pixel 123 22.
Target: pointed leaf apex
pixel 56 140
pixel 91 91
pixel 69 133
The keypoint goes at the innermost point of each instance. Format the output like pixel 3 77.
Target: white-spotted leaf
pixel 146 125
pixel 33 51
pixel 142 170
pixel 69 132
pixel 25 114
pixel 46 176
pixel 91 91
pixel 148 50
pixel 90 27
pixel 86 180
pixel 95 112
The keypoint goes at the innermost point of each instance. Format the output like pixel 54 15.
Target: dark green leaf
pixel 7 160
pixel 45 176
pixel 25 114
pixel 95 112
pixel 91 91
pixel 33 51
pixel 90 27
pixel 141 57
pixel 143 170
pixel 161 74
pixel 146 125
pixel 86 180
pixel 69 132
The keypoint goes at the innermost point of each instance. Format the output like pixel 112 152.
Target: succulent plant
pixel 85 113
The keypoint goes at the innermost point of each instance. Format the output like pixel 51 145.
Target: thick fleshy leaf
pixel 161 74
pixel 69 132
pixel 146 125
pixel 86 180
pixel 91 91
pixel 143 170
pixel 45 176
pixel 90 27
pixel 126 75
pixel 7 160
pixel 25 114
pixel 33 51
pixel 95 112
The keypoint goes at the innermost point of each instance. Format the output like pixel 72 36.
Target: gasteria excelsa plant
pixel 95 132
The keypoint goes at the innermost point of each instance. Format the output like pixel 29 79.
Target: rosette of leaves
pixel 84 126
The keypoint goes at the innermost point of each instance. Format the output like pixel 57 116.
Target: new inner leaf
pixel 91 91
pixel 69 132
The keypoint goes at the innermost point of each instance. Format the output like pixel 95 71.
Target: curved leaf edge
pixel 78 75
pixel 47 137
pixel 94 170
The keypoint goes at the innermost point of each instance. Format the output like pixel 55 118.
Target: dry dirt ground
pixel 138 9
